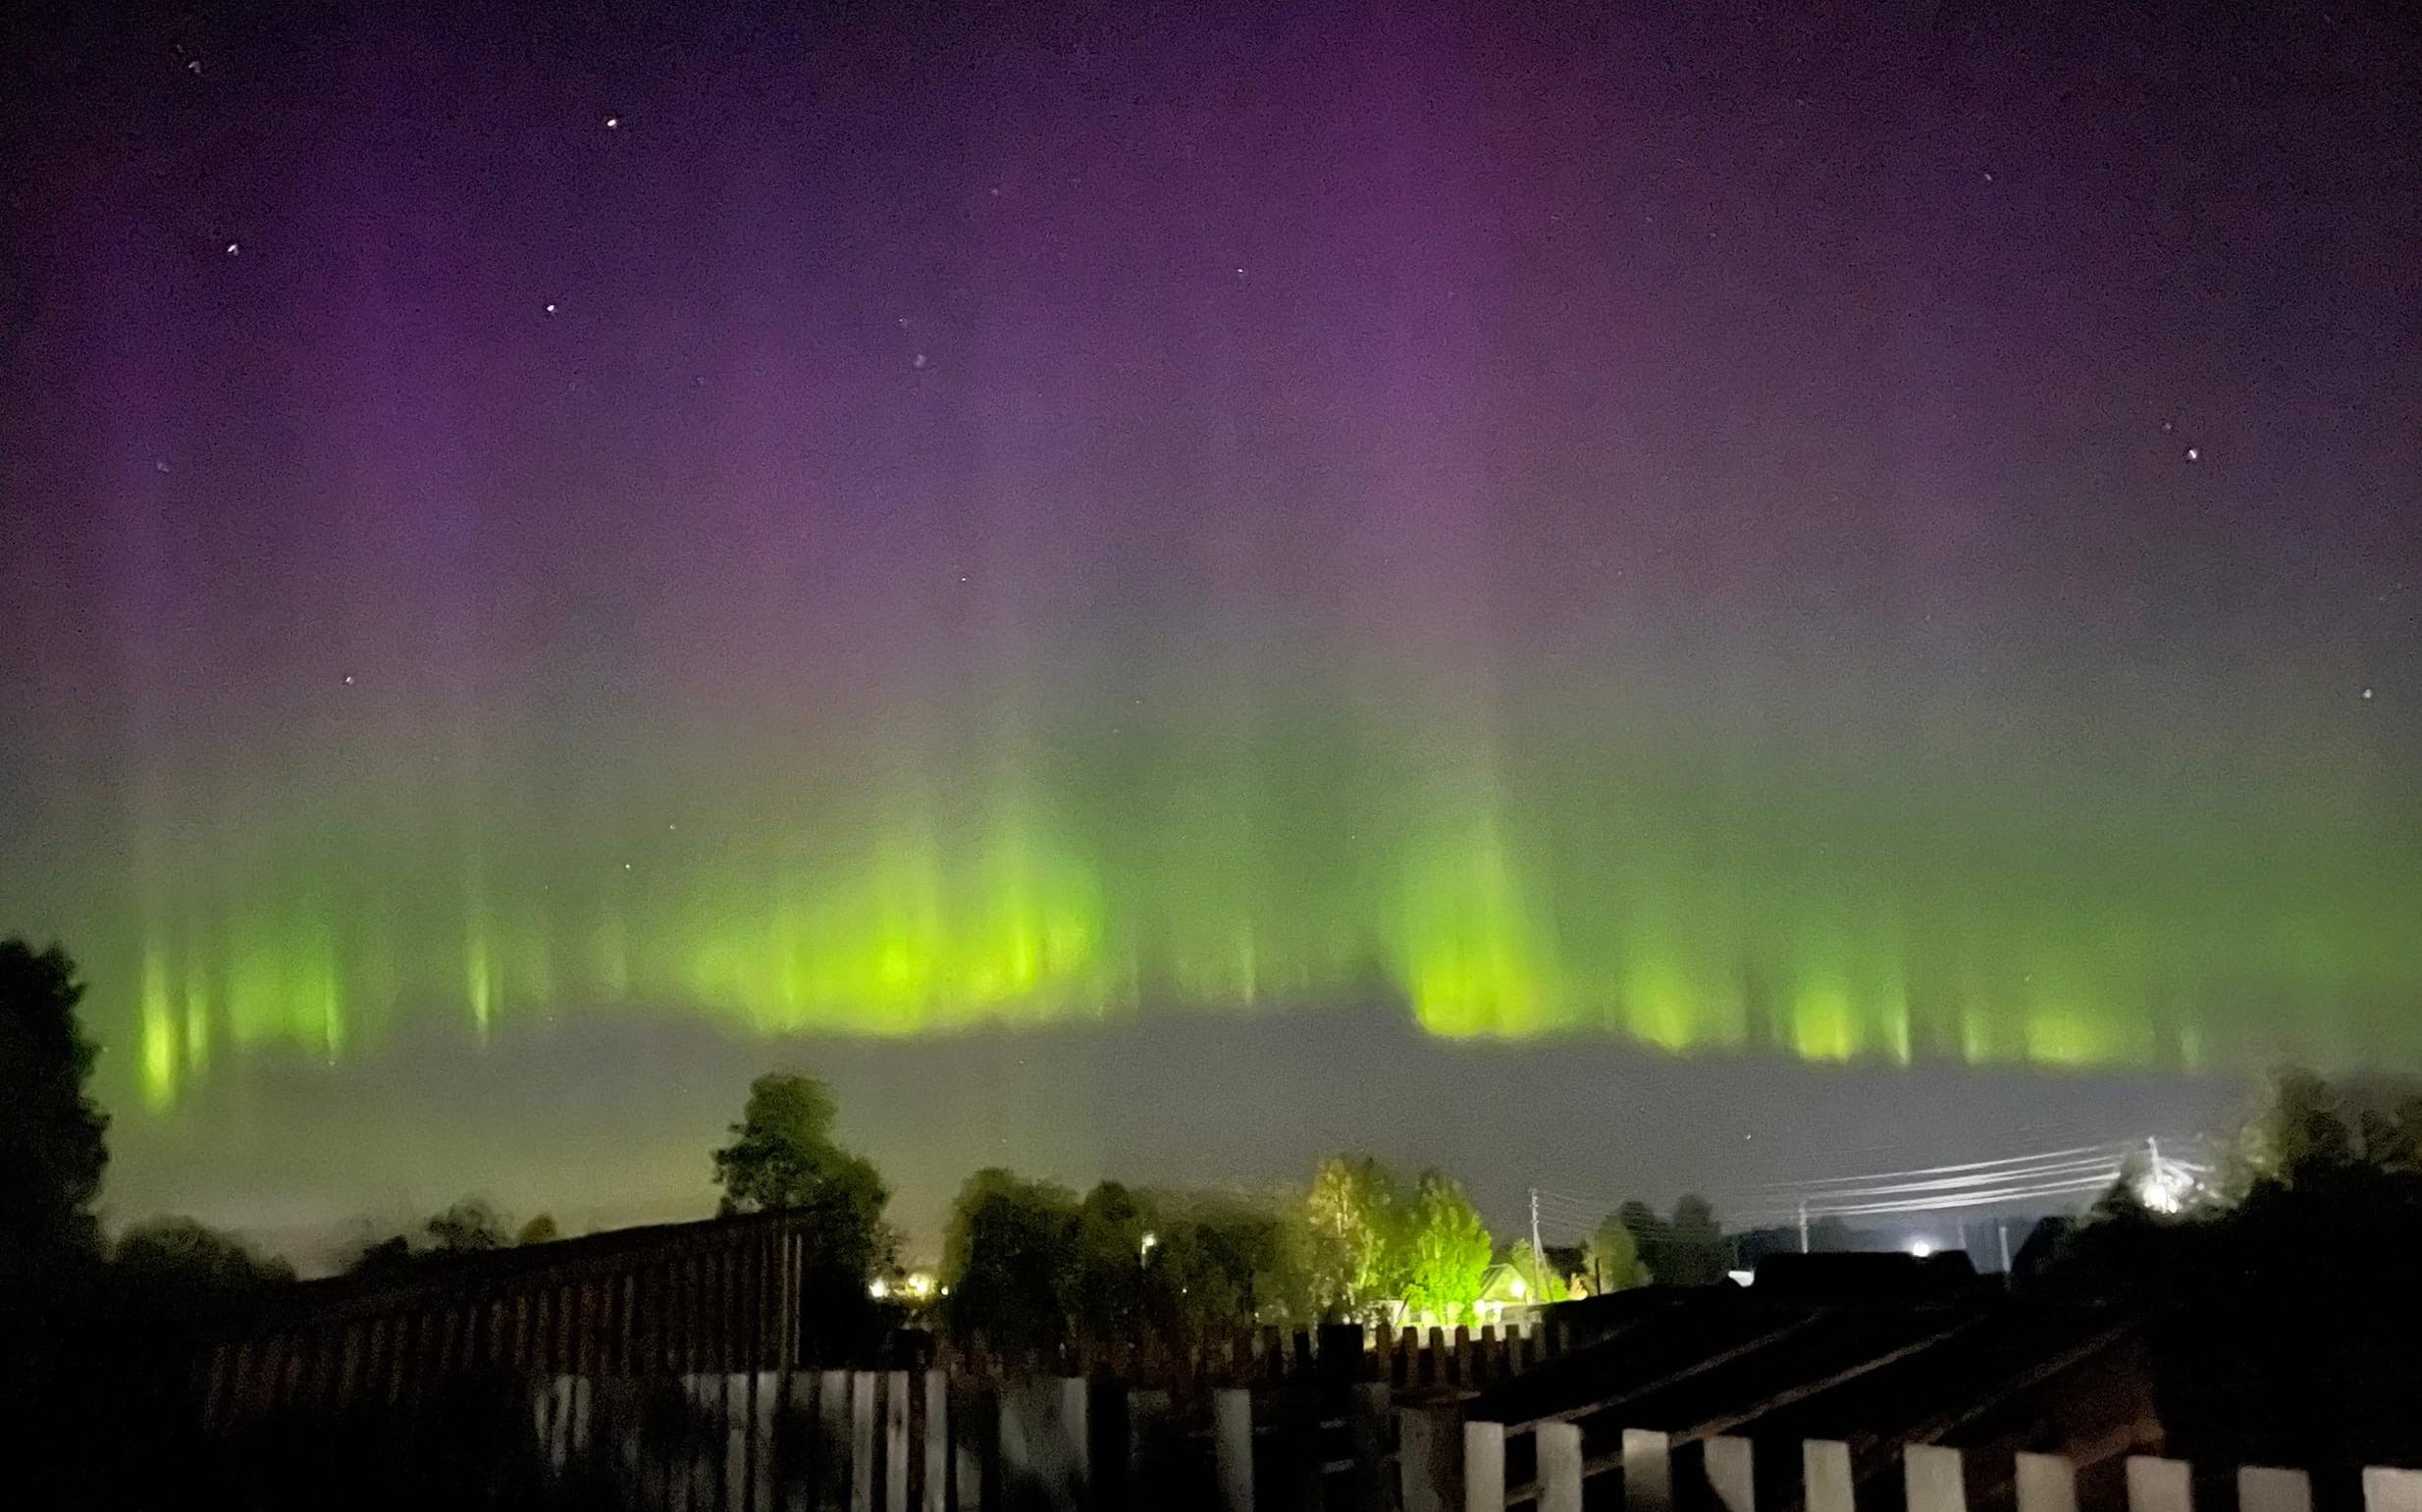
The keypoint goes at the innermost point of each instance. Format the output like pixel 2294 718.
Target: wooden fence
pixel 668 1302
pixel 672 1369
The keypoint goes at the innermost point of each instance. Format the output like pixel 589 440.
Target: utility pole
pixel 1539 1256
pixel 1804 1226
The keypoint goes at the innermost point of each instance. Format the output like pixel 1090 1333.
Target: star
pixel 233 248
pixel 613 123
pixel 551 309
pixel 919 360
pixel 349 680
pixel 2367 695
pixel 2194 455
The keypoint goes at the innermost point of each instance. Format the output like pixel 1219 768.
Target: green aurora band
pixel 1812 908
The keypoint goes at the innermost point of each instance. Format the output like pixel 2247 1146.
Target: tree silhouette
pixel 783 1156
pixel 51 1148
pixel 469 1227
pixel 1614 1257
pixel 1009 1257
pixel 185 1257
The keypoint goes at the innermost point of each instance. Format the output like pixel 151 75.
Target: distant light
pixel 2367 695
pixel 1520 1290
pixel 1740 1278
pixel 878 1289
pixel 1145 1246
pixel 918 1284
pixel 1922 1248
pixel 2164 1187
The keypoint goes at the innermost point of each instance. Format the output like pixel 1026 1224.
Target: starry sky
pixel 1666 594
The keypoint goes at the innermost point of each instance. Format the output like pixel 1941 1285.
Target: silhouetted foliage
pixel 2282 1331
pixel 470 1226
pixel 783 1156
pixel 1613 1257
pixel 1009 1257
pixel 51 1132
pixel 1688 1249
pixel 185 1257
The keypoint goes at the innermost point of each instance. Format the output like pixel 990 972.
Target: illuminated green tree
pixel 51 1147
pixel 1541 1282
pixel 1446 1248
pixel 1352 1250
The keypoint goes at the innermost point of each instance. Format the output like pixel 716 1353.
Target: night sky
pixel 1619 598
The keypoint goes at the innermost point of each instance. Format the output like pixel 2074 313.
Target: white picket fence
pixel 900 1439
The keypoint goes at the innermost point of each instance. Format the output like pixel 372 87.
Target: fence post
pixel 937 1442
pixel 862 1441
pixel 1484 1466
pixel 1933 1479
pixel 1429 1458
pixel 896 1442
pixel 1043 1444
pixel 2391 1490
pixel 2156 1485
pixel 739 1440
pixel 2046 1483
pixel 1732 1472
pixel 1560 1465
pixel 968 1450
pixel 1147 1470
pixel 1366 1434
pixel 1824 1476
pixel 1648 1470
pixel 832 1439
pixel 2268 1489
pixel 1232 1429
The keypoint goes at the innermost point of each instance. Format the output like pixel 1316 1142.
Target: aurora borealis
pixel 1894 542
